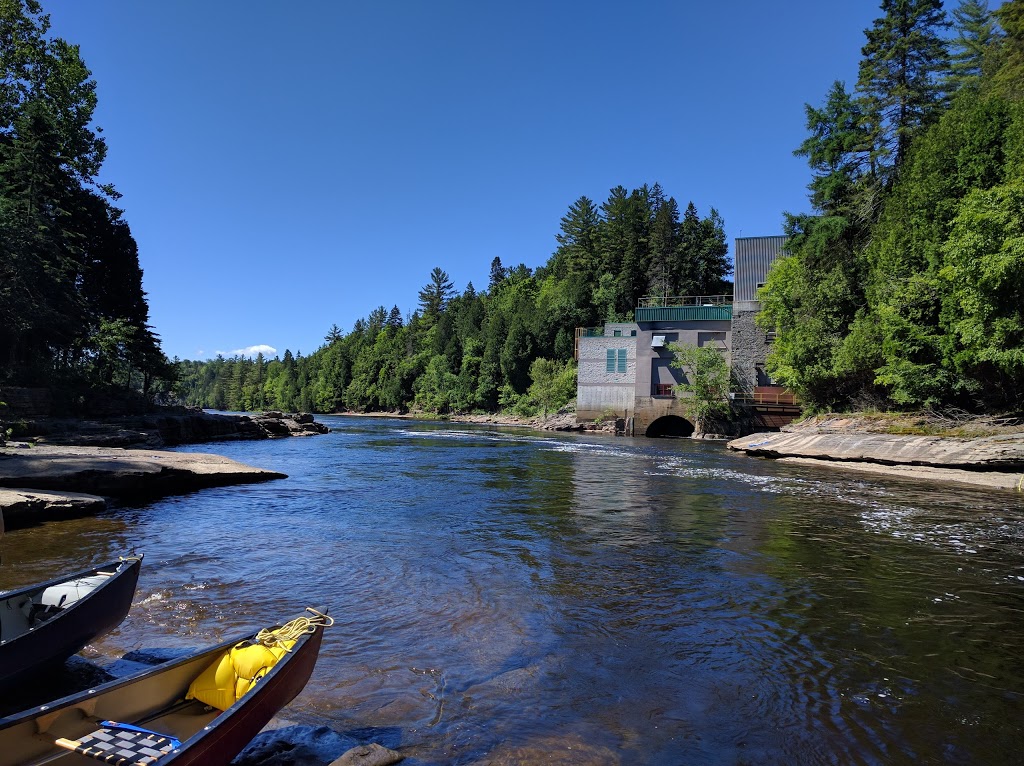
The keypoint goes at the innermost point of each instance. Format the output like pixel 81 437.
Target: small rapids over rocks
pixel 506 596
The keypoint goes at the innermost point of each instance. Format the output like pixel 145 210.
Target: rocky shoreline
pixel 41 483
pixel 994 460
pixel 75 466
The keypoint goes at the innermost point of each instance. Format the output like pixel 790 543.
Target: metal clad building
pixel 753 257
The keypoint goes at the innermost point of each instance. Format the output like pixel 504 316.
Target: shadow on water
pixel 505 596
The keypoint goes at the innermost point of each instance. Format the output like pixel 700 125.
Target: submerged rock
pixel 369 755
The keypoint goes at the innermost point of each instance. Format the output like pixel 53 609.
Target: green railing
pixel 700 313
pixel 674 301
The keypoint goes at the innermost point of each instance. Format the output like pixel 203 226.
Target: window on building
pixel 622 360
pixel 632 333
pixel 616 333
pixel 769 337
pixel 609 365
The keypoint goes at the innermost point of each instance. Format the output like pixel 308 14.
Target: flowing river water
pixel 510 597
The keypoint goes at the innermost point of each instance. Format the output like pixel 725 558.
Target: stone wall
pixel 749 347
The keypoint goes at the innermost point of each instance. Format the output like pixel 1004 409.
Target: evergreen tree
pixel 976 33
pixel 1009 79
pixel 395 319
pixel 497 275
pixel 577 240
pixel 435 294
pixel 664 246
pixel 898 78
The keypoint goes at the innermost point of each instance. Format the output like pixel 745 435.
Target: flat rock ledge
pixel 46 481
pixel 23 507
pixel 991 461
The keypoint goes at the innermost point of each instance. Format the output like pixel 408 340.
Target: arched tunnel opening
pixel 669 426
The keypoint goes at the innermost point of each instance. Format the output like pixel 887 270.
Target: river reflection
pixel 510 597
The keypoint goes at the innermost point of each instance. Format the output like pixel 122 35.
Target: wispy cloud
pixel 262 348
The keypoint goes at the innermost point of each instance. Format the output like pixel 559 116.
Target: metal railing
pixel 773 396
pixel 664 302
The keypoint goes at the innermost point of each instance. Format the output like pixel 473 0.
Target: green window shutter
pixel 622 360
pixel 610 361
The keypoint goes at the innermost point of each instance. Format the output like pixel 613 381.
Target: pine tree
pixel 976 32
pixel 577 240
pixel 395 318
pixel 435 294
pixel 664 244
pixel 898 78
pixel 497 275
pixel 838 150
pixel 1009 79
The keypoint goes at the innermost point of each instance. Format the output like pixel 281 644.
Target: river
pixel 506 596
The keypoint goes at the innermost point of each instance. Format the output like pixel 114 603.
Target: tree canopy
pixel 510 346
pixel 902 288
pixel 72 307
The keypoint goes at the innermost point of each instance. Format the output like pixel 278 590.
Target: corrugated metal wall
pixel 753 256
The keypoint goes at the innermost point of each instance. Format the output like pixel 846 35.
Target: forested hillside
pixel 509 346
pixel 905 286
pixel 72 308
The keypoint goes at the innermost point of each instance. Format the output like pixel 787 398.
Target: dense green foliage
pixel 905 287
pixel 72 308
pixel 508 347
pixel 707 379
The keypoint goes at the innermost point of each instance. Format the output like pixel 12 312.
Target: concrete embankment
pixel 995 461
pixel 43 482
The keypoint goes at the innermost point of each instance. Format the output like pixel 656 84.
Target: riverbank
pixel 39 483
pixel 563 420
pixel 981 453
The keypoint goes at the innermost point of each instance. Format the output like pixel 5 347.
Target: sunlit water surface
pixel 508 597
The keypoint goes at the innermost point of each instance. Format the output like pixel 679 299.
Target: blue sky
pixel 289 167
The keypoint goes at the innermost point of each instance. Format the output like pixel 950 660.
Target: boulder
pixel 368 755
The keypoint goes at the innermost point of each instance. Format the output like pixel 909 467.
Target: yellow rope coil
pixel 293 630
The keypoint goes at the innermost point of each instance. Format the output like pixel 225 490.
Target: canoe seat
pixel 122 743
pixel 15 617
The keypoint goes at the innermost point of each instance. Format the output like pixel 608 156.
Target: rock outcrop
pixel 32 475
pixel 991 453
pixel 166 427
pixel 992 460
pixel 23 507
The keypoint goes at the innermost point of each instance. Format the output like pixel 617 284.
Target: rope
pixel 294 630
pixel 1020 483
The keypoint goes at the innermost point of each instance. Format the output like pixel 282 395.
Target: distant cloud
pixel 263 348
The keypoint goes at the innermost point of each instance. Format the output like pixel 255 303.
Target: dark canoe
pixel 155 700
pixel 46 623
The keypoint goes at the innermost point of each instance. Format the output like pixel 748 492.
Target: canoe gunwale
pixel 65 632
pixel 223 736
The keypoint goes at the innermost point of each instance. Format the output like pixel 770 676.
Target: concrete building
pixel 625 369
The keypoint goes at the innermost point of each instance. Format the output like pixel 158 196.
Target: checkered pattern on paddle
pixel 122 745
